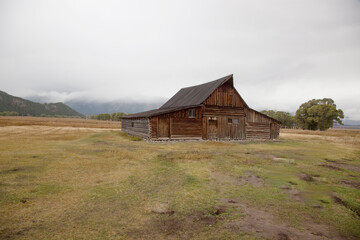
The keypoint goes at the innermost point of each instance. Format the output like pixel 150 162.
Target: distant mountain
pixel 9 103
pixel 351 122
pixel 93 108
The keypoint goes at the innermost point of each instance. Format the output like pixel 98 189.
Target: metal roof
pixel 155 112
pixel 195 95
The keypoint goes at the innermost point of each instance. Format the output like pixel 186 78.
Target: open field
pixel 65 182
pixel 58 122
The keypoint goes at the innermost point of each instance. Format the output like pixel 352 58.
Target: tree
pixel 318 114
pixel 285 118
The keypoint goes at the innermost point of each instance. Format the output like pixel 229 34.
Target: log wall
pixel 260 126
pixel 255 130
pixel 136 127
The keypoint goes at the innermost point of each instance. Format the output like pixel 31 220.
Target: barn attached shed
pixel 213 110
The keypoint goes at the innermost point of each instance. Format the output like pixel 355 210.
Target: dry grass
pixel 66 122
pixel 345 136
pixel 61 182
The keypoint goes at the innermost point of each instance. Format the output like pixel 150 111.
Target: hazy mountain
pixel 9 103
pixel 92 108
pixel 351 122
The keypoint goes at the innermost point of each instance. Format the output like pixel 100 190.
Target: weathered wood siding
pixel 224 104
pixel 259 126
pixel 220 128
pixel 225 95
pixel 136 127
pixel 274 130
pixel 255 130
pixel 177 125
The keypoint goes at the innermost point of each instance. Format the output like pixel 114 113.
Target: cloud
pixel 282 53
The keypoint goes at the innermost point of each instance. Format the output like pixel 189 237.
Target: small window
pixel 132 124
pixel 236 120
pixel 192 113
pixel 229 120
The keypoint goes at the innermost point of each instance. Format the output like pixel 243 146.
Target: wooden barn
pixel 213 110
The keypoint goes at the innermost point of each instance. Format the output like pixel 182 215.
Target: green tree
pixel 116 116
pixel 318 114
pixel 285 118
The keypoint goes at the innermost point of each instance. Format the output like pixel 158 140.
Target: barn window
pixel 132 124
pixel 229 120
pixel 236 120
pixel 192 113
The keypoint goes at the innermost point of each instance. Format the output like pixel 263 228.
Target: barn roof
pixel 155 112
pixel 195 95
pixel 187 98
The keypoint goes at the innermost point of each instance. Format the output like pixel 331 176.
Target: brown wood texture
pixel 184 114
pixel 187 127
pixel 223 111
pixel 225 95
pixel 274 130
pixel 255 130
pixel 253 116
pixel 163 130
pixel 136 127
pixel 153 126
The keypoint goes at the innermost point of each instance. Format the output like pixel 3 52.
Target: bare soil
pixel 252 180
pixel 261 223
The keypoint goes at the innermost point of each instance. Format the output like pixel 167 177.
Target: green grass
pixel 106 185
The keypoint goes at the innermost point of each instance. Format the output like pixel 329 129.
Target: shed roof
pixel 155 112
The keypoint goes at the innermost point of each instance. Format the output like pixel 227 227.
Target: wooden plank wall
pixel 190 127
pixel 177 124
pixel 253 116
pixel 255 130
pixel 274 130
pixel 140 128
pixel 224 111
pixel 225 95
pixel 259 126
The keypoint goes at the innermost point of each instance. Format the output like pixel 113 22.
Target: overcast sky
pixel 282 52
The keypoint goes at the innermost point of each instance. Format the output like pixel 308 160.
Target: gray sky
pixel 282 52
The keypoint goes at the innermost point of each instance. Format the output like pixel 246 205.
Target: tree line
pixel 108 117
pixel 316 114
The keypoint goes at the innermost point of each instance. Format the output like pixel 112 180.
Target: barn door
pixel 164 128
pixel 212 129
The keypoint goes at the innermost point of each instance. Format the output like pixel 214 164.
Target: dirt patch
pixel 308 177
pixel 293 193
pixel 340 201
pixel 252 180
pixel 351 183
pixel 330 166
pixel 162 208
pixel 346 166
pixel 218 210
pixel 173 227
pixel 261 223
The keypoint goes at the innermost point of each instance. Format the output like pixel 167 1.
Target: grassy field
pixel 63 182
pixel 57 122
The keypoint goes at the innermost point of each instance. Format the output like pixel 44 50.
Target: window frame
pixel 192 113
pixel 230 121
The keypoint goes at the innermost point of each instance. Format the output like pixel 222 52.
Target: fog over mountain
pixel 92 107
